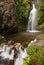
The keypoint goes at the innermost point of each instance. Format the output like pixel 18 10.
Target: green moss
pixel 41 26
pixel 31 50
pixel 41 14
pixel 35 58
pixel 22 9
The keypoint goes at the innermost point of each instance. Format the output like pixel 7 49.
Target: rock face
pixel 7 15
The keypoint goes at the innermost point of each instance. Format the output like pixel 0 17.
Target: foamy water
pixel 21 56
pixel 33 31
pixel 5 54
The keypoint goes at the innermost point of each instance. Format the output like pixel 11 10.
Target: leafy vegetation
pixel 22 9
pixel 35 56
pixel 41 26
pixel 41 15
pixel 31 50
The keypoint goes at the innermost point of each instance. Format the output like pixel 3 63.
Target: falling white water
pixel 10 56
pixel 32 22
pixel 5 53
pixel 21 56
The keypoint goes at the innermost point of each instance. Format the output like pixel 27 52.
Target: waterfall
pixel 21 56
pixel 32 22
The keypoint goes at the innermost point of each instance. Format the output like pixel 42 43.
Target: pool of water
pixel 23 36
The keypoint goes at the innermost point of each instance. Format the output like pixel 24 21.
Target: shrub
pixel 34 57
pixel 31 50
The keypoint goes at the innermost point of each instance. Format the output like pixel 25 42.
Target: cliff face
pixel 7 15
